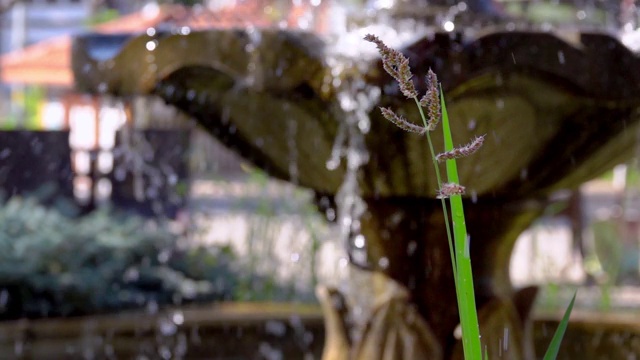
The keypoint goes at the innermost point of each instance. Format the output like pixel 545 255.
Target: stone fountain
pixel 557 110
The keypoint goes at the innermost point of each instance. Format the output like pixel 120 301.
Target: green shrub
pixel 55 265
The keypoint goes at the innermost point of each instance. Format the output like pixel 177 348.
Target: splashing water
pixel 350 57
pixel 354 106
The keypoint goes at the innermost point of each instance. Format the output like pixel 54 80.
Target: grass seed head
pixel 449 189
pixel 401 122
pixel 397 65
pixel 462 151
pixel 431 101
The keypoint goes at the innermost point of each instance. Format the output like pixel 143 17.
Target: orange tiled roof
pixel 49 62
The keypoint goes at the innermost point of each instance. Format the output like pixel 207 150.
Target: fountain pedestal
pixel 407 245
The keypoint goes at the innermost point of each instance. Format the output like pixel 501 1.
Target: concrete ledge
pixel 230 330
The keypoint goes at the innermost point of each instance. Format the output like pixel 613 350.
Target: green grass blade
pixel 554 346
pixel 465 291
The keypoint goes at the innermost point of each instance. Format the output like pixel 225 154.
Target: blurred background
pixel 111 205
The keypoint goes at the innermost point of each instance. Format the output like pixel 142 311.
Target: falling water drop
pixel 332 163
pixel 471 124
pixel 151 45
pixel 448 26
pixel 359 241
pixel 292 129
pixel 103 87
pixel 505 343
pixel 467 245
pixel 5 153
pixel 166 327
pixel 152 307
pixel 411 247
pixel 581 15
pixel 4 298
pixel 277 328
pixel 178 318
pixel 331 214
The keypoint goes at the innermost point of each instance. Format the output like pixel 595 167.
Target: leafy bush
pixel 54 265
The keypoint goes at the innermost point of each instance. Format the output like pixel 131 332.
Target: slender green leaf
pixel 445 213
pixel 554 346
pixel 465 291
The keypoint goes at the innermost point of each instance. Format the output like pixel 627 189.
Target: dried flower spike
pixel 397 65
pixel 431 101
pixel 401 122
pixel 449 189
pixel 462 151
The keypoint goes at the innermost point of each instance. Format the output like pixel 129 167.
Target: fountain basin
pixel 556 112
pixel 224 330
pixel 239 329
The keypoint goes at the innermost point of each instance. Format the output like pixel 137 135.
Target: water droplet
pixel 506 339
pixel 102 87
pixel 269 352
pixel 359 241
pixel 165 352
pixel 581 15
pixel 5 153
pixel 277 328
pixel 331 214
pixel 467 245
pixel 411 247
pixel 152 307
pixel 178 318
pixel 448 26
pixel 167 328
pixel 471 124
pixel 4 298
pixel 332 163
pixel 151 45
pixel 383 262
pixel 561 57
pixel 457 332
